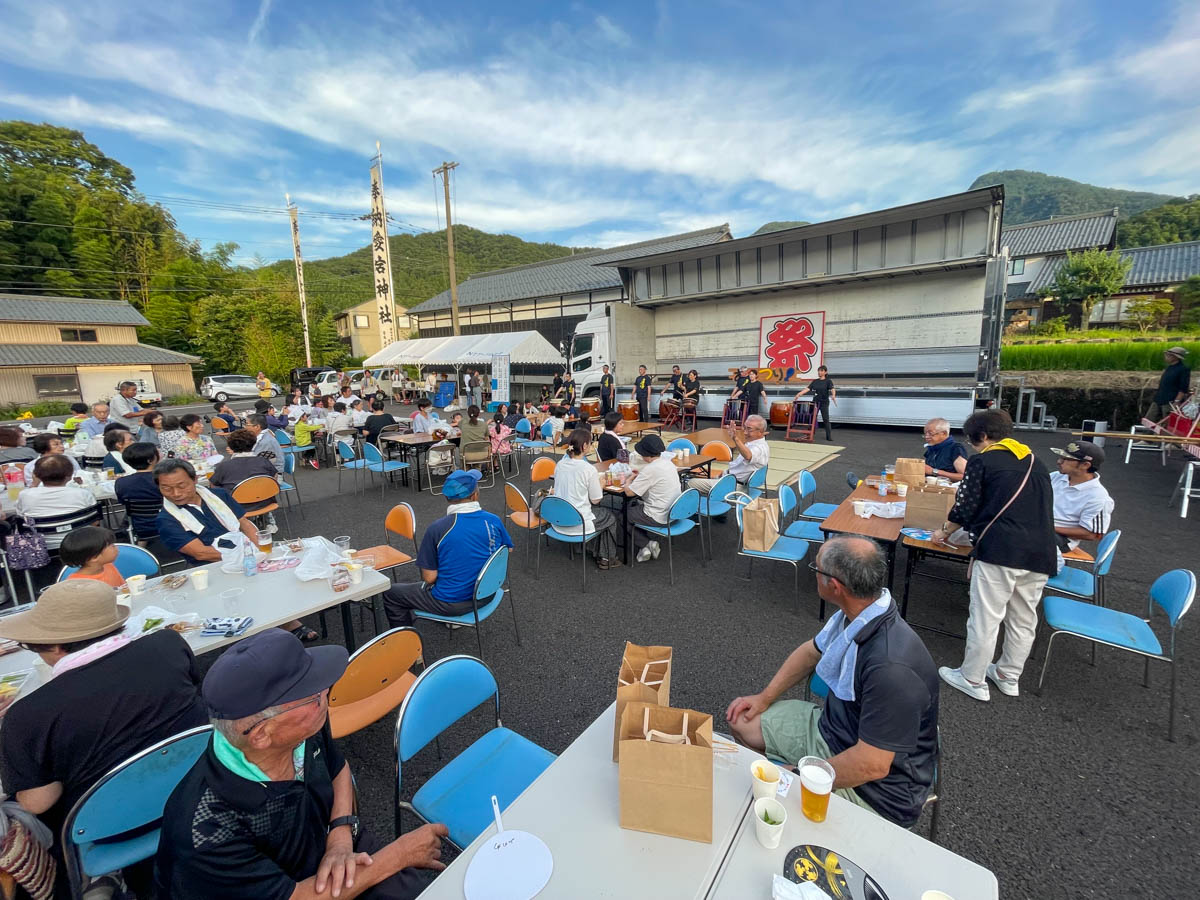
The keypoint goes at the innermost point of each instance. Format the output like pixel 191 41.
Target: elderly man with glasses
pixel 944 456
pixel 878 727
pixel 268 810
pixel 750 453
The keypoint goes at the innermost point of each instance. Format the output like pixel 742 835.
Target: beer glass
pixel 816 784
pixel 263 541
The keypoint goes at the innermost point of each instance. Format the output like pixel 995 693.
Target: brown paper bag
pixel 760 524
pixel 910 471
pixel 665 775
pixel 927 507
pixel 645 676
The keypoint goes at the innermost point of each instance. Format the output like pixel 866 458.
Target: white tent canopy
pixel 522 348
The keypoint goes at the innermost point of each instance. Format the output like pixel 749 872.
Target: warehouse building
pixel 63 348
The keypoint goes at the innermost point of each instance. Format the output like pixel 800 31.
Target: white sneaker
pixel 954 678
pixel 645 554
pixel 1008 686
pixel 654 549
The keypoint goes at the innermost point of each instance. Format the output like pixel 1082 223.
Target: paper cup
pixel 860 508
pixel 769 835
pixel 901 489
pixel 137 583
pixel 931 479
pixel 356 572
pixel 764 779
pixel 199 579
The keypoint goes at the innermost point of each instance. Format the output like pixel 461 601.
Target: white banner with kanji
pixel 500 377
pixel 792 344
pixel 381 261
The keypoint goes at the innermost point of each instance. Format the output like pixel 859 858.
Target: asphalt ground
pixel 1076 793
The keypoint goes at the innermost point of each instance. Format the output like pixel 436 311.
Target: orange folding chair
pixel 259 489
pixel 521 515
pixel 375 682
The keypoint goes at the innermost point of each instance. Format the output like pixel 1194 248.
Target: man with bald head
pixel 878 727
pixel 750 453
pixel 944 456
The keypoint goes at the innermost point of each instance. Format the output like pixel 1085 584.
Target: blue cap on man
pixel 461 483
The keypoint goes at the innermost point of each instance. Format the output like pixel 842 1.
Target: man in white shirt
pixel 751 453
pixel 94 427
pixel 54 496
pixel 122 406
pixel 658 485
pixel 1082 506
pixel 577 481
pixel 422 420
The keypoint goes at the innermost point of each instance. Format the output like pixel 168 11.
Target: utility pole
pixel 444 171
pixel 294 213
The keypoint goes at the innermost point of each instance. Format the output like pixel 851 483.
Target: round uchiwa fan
pixel 835 875
pixel 513 865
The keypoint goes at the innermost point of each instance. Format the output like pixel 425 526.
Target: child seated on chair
pixel 93 550
pixel 304 434
pixel 441 454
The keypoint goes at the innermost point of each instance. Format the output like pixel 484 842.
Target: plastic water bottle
pixel 883 482
pixel 249 563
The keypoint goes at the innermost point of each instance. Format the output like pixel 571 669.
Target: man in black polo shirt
pixel 878 728
pixel 641 393
pixel 1174 384
pixel 606 392
pixel 266 812
pixel 944 456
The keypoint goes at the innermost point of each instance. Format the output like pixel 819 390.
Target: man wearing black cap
pixel 1174 385
pixel 452 554
pixel 657 483
pixel 267 812
pixel 1082 505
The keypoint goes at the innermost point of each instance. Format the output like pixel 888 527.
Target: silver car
pixel 231 387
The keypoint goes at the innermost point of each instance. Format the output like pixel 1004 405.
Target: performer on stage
pixel 823 391
pixel 606 392
pixel 569 389
pixel 674 385
pixel 691 387
pixel 736 404
pixel 752 394
pixel 641 393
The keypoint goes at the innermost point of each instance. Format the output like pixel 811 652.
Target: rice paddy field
pixel 1125 356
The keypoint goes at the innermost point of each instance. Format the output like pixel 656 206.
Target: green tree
pixel 1175 221
pixel 92 252
pixel 1149 312
pixel 1188 297
pixel 1087 278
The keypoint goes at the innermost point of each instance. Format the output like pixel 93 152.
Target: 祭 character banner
pixel 792 346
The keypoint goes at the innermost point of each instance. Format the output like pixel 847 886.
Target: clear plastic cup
pixel 769 833
pixel 231 600
pixel 342 543
pixel 816 784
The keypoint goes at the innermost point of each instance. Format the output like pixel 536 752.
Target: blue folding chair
pixel 1082 583
pixel 808 490
pixel 679 521
pixel 376 463
pixel 501 762
pixel 527 443
pixel 805 529
pixel 557 513
pixel 287 488
pixel 785 549
pixel 286 444
pixel 489 591
pixel 131 560
pixel 682 444
pixel 117 822
pixel 714 503
pixel 348 459
pixel 1173 592
pixel 757 483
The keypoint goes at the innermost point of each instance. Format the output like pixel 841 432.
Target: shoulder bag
pixel 1003 510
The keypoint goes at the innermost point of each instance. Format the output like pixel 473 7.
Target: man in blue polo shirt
pixel 453 553
pixel 944 456
pixel 878 728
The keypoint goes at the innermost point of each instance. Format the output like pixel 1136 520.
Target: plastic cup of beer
pixel 263 541
pixel 816 784
pixel 764 779
pixel 137 583
pixel 770 817
pixel 890 472
pixel 199 579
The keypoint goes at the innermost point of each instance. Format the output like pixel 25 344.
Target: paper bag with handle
pixel 645 676
pixel 760 524
pixel 665 775
pixel 910 471
pixel 927 508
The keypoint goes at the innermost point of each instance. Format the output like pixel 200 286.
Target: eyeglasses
pixel 813 566
pixel 315 698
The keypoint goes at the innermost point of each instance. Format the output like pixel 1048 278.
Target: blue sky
pixel 598 124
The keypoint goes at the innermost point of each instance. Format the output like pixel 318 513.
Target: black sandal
pixel 306 634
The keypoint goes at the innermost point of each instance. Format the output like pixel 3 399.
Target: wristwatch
pixel 352 821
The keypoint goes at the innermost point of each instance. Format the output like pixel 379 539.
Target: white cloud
pixel 612 32
pixel 260 21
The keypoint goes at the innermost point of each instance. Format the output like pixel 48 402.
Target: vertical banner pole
pixel 381 256
pixel 295 213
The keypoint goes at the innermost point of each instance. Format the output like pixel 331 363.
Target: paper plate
pixel 513 865
pixel 837 876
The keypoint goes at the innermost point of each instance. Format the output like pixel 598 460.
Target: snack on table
pixel 174 581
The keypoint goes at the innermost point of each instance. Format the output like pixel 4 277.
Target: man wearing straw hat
pixel 98 708
pixel 1174 385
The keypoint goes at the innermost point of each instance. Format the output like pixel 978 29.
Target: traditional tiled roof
pixel 90 355
pixel 1158 266
pixel 1060 234
pixel 565 275
pixel 68 310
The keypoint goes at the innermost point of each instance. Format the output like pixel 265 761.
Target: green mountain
pixel 779 226
pixel 1176 220
pixel 1029 196
pixel 419 267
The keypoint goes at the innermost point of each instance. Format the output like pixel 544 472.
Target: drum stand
pixel 802 422
pixel 671 415
pixel 735 412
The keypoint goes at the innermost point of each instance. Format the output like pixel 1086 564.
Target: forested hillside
pixel 1029 196
pixel 1176 220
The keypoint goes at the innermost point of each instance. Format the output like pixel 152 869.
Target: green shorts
pixel 790 732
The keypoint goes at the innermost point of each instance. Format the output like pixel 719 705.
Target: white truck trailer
pixel 905 306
